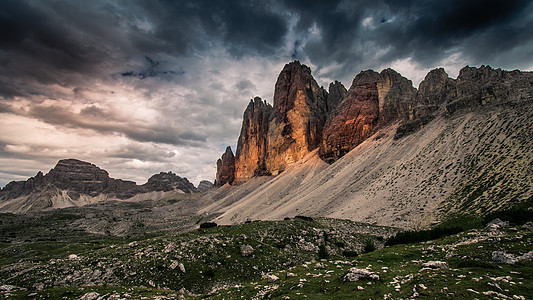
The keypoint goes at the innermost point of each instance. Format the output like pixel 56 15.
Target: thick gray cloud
pixel 143 86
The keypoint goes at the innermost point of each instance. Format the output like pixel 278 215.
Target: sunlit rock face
pixel 250 156
pixel 299 114
pixel 354 119
pixel 305 117
pixel 225 168
pixel 372 102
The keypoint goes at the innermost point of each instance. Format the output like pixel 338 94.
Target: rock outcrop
pixel 396 96
pixel 168 181
pixel 225 168
pixel 488 86
pixel 337 91
pixel 299 113
pixel 355 118
pixel 250 156
pixel 304 116
pixel 373 101
pixel 204 185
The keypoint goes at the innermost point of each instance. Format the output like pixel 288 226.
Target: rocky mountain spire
pixel 354 119
pixel 250 156
pixel 225 168
pixel 299 113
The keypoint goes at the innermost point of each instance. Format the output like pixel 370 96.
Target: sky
pixel 140 87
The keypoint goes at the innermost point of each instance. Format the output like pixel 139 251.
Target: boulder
pixel 246 250
pixel 355 274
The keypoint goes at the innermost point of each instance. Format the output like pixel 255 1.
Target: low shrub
pixel 415 236
pixel 304 218
pixel 349 253
pixel 369 246
pixel 208 225
pixel 515 216
pixel 323 252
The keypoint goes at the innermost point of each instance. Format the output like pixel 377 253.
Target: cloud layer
pixel 139 87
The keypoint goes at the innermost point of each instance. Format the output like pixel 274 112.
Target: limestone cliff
pixel 225 168
pixel 299 113
pixel 250 156
pixel 354 119
pixel 304 116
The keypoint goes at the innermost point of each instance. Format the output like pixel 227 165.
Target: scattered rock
pixel 527 257
pixel 501 257
pixel 182 268
pixel 319 266
pixel 497 224
pixel 528 226
pixel 271 278
pixel 173 264
pixel 246 250
pixel 355 274
pixel 90 296
pixel 9 288
pixel 435 264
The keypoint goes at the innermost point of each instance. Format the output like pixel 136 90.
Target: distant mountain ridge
pixel 74 182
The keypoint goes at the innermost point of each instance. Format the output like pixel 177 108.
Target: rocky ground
pixel 290 259
pixel 106 219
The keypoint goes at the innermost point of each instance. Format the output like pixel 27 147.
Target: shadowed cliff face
pixel 305 117
pixel 225 168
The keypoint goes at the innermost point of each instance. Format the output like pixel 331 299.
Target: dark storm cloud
pixel 425 31
pixel 46 41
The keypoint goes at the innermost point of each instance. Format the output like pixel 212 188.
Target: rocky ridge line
pixel 305 117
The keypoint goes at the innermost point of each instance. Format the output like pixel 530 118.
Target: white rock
pixel 182 268
pixel 90 296
pixel 246 250
pixel 501 257
pixel 528 256
pixel 355 274
pixel 435 264
pixel 271 278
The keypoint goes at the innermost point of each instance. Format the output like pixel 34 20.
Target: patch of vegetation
pixel 349 253
pixel 323 252
pixel 414 236
pixel 369 246
pixel 305 218
pixel 208 225
pixel 516 216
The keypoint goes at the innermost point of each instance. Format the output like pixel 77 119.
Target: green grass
pixel 215 267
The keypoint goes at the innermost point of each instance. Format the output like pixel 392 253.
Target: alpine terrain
pixel 378 191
